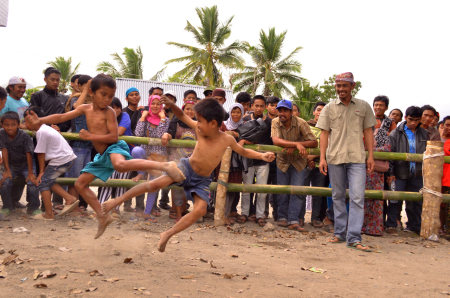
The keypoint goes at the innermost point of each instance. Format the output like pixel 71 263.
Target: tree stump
pixel 221 192
pixel 432 176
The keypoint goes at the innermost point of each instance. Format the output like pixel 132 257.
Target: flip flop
pixel 68 208
pixel 334 242
pixel 150 219
pixel 354 246
pixel 41 217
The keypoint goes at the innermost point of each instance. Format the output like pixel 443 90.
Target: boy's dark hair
pixel 37 110
pixel 319 103
pixel 116 103
pixel 244 97
pixel 3 93
pixel 153 88
pixel 83 79
pixel 445 119
pixel 294 104
pixel 186 93
pixel 428 107
pixel 210 109
pixel 401 113
pixel 413 111
pixel 51 70
pixel 260 97
pixel 382 98
pixel 273 99
pixel 8 88
pixel 102 80
pixel 75 77
pixel 11 115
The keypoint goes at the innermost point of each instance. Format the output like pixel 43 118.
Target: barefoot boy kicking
pixel 104 135
pixel 211 145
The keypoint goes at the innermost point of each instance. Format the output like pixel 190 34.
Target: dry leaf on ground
pixel 190 276
pixel 128 260
pixel 47 274
pixel 64 249
pixel 42 286
pixel 9 259
pixel 95 273
pixel 77 271
pixel 114 279
pixel 91 289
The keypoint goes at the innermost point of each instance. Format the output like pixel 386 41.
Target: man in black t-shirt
pixel 260 167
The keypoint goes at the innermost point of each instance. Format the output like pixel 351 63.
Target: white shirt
pixel 57 150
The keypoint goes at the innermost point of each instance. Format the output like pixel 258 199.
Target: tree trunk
pixel 432 180
pixel 221 192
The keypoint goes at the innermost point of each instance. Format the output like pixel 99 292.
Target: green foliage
pixel 202 63
pixel 271 72
pixel 130 68
pixel 28 93
pixel 305 97
pixel 65 67
pixel 329 91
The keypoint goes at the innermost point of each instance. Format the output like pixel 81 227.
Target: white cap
pixel 17 81
pixel 171 92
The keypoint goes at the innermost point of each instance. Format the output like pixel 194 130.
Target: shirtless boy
pixel 208 152
pixel 104 135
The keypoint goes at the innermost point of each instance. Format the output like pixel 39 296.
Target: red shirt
pixel 446 174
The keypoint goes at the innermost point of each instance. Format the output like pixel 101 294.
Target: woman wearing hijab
pixel 153 124
pixel 180 131
pixel 236 114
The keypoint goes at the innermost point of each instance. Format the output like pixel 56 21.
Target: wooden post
pixel 221 192
pixel 432 176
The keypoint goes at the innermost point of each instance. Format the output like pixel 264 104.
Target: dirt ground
pixel 205 261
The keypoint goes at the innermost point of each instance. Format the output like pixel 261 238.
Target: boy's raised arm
pixel 178 112
pixel 267 156
pixel 57 118
pixel 113 130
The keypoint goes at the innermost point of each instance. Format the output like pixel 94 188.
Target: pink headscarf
pixel 153 118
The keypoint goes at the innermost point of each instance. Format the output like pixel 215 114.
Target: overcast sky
pixel 396 48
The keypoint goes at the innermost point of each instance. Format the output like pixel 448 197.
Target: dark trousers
pixel 273 198
pixel 139 199
pixel 413 209
pixel 316 179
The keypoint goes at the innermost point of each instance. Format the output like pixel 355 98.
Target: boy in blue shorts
pixel 104 134
pixel 211 145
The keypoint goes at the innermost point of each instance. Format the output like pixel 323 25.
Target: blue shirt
pixel 14 105
pixel 412 147
pixel 126 123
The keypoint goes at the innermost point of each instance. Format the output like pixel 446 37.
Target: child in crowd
pixel 17 151
pixel 104 135
pixel 211 145
pixel 53 149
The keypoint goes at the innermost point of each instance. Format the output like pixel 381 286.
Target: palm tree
pixel 65 67
pixel 270 70
pixel 203 62
pixel 305 96
pixel 130 68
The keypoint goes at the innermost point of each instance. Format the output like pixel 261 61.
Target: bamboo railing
pixel 261 148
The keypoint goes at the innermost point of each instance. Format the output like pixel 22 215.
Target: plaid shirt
pixel 298 132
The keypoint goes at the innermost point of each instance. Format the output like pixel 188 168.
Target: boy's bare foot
pixel 43 216
pixel 108 206
pixel 173 171
pixel 103 223
pixel 69 207
pixel 164 238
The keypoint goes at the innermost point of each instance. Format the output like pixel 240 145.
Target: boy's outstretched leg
pixel 122 165
pixel 82 186
pixel 71 201
pixel 137 190
pixel 185 222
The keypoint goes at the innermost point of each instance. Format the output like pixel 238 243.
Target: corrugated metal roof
pixel 179 89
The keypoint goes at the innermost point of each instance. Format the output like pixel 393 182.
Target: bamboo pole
pixel 260 148
pixel 221 192
pixel 432 180
pixel 277 189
